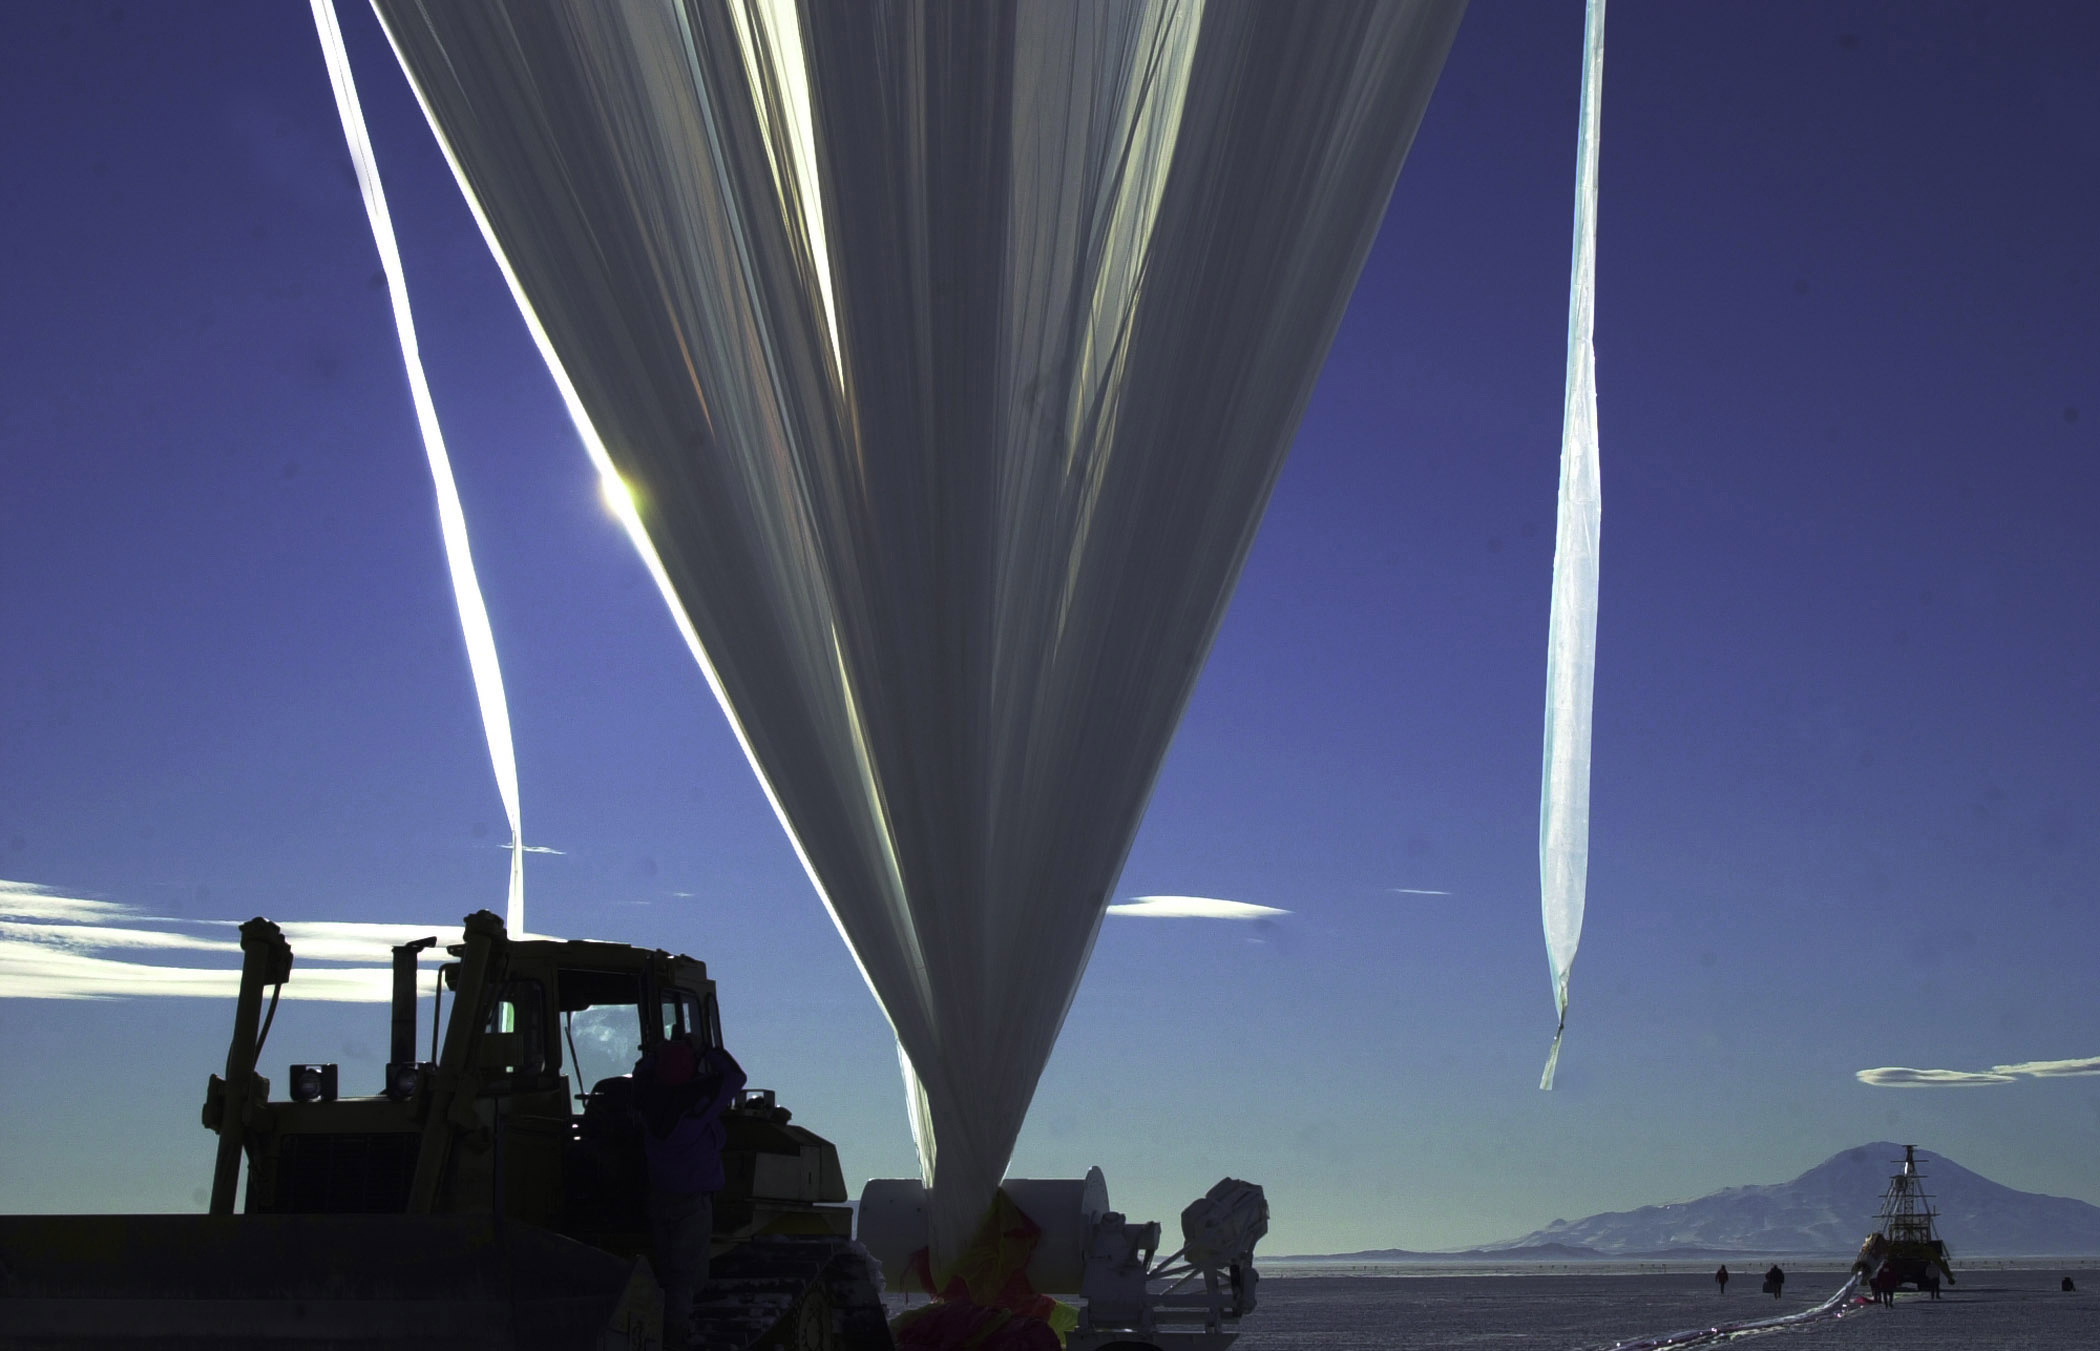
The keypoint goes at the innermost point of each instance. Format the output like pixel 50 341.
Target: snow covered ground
pixel 1989 1311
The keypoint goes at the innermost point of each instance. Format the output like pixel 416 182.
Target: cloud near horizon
pixel 66 947
pixel 1191 907
pixel 1902 1076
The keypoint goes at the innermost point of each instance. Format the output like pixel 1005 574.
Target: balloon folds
pixel 947 355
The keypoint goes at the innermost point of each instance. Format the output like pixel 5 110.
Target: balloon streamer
pixel 1571 644
pixel 1846 1300
pixel 452 520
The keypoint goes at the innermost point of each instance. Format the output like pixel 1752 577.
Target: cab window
pixel 518 1011
pixel 684 1014
pixel 601 1015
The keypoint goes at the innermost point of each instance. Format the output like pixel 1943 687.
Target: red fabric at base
pixel 986 1303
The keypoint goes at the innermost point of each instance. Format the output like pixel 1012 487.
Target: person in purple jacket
pixel 680 1092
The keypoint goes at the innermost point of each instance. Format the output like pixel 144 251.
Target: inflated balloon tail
pixel 1571 643
pixel 452 520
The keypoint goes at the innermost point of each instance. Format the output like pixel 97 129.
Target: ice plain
pixel 1990 1310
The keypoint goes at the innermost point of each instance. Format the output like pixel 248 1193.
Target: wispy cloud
pixel 1192 907
pixel 67 947
pixel 35 971
pixel 1902 1076
pixel 2052 1069
pixel 328 940
pixel 1417 891
pixel 24 900
pixel 541 849
pixel 91 937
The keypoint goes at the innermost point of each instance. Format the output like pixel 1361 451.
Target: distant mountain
pixel 1539 1252
pixel 1829 1209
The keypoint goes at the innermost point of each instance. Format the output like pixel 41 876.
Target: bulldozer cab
pixel 524 1110
pixel 609 1012
pixel 587 1011
pixel 491 1192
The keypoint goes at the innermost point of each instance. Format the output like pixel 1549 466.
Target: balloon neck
pixel 1553 1058
pixel 991 1268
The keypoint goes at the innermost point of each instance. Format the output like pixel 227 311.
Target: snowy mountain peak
pixel 1831 1208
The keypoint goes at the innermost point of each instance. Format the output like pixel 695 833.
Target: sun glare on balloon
pixel 619 498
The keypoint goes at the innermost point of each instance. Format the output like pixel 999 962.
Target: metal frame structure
pixel 1905 1244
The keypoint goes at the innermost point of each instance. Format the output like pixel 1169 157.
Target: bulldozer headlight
pixel 313 1083
pixel 403 1079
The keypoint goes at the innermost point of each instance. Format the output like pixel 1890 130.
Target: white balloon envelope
pixel 949 354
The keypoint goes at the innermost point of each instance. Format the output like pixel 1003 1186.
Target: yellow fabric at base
pixel 997 1254
pixel 991 1273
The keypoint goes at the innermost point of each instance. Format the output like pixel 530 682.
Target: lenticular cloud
pixel 1902 1076
pixel 1191 907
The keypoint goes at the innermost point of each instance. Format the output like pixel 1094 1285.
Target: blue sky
pixel 1844 807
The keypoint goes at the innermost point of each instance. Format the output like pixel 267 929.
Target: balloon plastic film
pixel 950 354
pixel 1571 643
pixel 452 519
pixel 1846 1300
